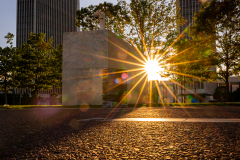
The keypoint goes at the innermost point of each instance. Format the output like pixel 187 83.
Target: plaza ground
pixel 83 133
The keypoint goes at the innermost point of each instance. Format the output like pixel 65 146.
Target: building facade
pixel 53 17
pixel 188 8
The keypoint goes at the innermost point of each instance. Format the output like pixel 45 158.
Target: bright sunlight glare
pixel 153 70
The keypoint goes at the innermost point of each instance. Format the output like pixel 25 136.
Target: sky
pixel 8 16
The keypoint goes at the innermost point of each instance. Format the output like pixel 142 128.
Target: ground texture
pixel 57 133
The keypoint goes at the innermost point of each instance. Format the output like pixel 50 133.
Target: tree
pixel 151 26
pixel 36 65
pixel 22 77
pixel 236 95
pixel 191 62
pixel 142 23
pixel 220 94
pixel 219 22
pixel 6 65
pixel 56 70
pixel 35 54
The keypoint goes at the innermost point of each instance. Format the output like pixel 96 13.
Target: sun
pixel 153 70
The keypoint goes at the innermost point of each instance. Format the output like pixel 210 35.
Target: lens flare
pixel 124 76
pixel 153 70
pixel 118 80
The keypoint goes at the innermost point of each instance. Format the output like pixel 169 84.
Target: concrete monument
pixel 86 55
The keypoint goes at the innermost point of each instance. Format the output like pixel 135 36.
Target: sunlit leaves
pixel 219 22
pixel 39 56
pixel 7 68
pixel 141 23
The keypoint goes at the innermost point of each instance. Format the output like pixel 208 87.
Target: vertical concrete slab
pixel 84 86
pixel 133 95
pixel 85 55
pixel 83 60
pixel 97 86
pixel 70 81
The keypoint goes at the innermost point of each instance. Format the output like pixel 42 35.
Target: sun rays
pixel 152 70
pixel 151 67
pixel 150 62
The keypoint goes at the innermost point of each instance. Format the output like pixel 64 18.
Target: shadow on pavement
pixel 31 130
pixel 30 133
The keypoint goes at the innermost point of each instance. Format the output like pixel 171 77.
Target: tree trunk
pixel 227 90
pixel 227 75
pixel 181 91
pixel 227 80
pixel 195 90
pixel 36 96
pixel 13 96
pixel 5 97
pixel 177 101
pixel 175 93
pixel 184 85
pixel 36 89
pixel 5 89
pixel 20 96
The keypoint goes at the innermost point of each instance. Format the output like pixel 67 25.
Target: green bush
pixel 220 94
pixel 236 95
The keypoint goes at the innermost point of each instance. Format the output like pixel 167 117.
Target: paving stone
pixel 32 133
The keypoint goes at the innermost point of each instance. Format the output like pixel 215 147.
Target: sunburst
pixel 152 68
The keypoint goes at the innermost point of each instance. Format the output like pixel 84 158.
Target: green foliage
pixel 56 66
pixel 36 52
pixel 214 13
pixel 192 60
pixel 142 23
pixel 220 94
pixel 30 106
pixel 7 65
pixel 35 65
pixel 22 77
pixel 215 104
pixel 41 63
pixel 236 95
pixel 214 43
pixel 218 22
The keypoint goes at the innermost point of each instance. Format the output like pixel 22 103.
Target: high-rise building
pixel 188 8
pixel 53 17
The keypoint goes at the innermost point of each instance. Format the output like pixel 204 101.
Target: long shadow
pixel 32 131
pixel 42 132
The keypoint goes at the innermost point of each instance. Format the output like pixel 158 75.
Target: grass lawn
pixel 28 106
pixel 130 105
pixel 207 104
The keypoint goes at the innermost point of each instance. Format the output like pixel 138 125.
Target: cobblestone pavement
pixel 56 133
